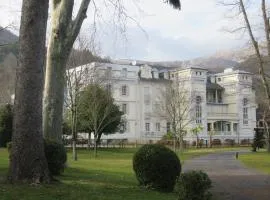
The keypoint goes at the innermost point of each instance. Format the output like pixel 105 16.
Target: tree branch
pixel 77 22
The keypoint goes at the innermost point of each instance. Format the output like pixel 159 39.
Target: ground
pixel 232 180
pixel 110 177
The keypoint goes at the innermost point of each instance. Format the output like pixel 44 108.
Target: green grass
pixel 108 177
pixel 257 160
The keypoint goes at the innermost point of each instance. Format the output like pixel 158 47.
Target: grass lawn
pixel 110 176
pixel 258 160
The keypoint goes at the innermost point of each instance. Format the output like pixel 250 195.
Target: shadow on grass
pixel 85 184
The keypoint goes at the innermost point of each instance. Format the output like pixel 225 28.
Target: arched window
pixel 245 111
pixel 198 110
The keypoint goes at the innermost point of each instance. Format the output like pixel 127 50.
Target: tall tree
pixel 63 34
pixel 28 162
pixel 241 7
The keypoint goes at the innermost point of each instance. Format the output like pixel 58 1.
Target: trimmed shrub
pixel 156 167
pixel 194 185
pixel 9 146
pixel 56 157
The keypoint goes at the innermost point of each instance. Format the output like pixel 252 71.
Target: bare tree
pixel 178 107
pixel 241 6
pixel 64 31
pixel 263 113
pixel 28 162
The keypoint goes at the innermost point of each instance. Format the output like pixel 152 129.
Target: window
pixel 124 108
pixel 168 126
pixel 123 127
pixel 124 72
pixel 219 79
pixel 147 127
pixel 198 110
pixel 209 126
pixel 147 95
pixel 124 90
pixel 219 96
pixel 157 126
pixel 235 125
pixel 245 111
pixel 109 88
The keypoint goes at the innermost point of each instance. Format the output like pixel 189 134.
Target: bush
pixel 156 167
pixel 9 146
pixel 194 185
pixel 56 157
pixel 6 118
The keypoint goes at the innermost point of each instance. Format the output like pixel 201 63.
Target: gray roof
pixel 213 86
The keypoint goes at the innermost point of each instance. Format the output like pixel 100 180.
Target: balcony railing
pixel 224 133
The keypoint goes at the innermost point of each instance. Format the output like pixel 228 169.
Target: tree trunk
pixel 174 144
pixel 210 138
pixel 28 162
pixel 54 89
pixel 96 143
pixel 63 34
pixel 74 150
pixel 89 140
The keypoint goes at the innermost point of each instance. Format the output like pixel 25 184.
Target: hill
pixel 7 37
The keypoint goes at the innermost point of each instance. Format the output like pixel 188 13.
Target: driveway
pixel 231 179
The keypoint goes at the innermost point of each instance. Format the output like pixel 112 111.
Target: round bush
pixel 156 167
pixel 194 185
pixel 56 157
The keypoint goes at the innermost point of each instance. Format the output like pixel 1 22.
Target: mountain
pixel 7 37
pixel 210 63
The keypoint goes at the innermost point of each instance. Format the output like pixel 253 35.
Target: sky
pixel 152 30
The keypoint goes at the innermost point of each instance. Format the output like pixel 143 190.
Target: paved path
pixel 231 179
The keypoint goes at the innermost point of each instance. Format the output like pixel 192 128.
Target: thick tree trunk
pixel 54 90
pixel 63 34
pixel 28 162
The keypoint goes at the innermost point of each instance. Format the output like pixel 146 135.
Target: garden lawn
pixel 258 160
pixel 108 177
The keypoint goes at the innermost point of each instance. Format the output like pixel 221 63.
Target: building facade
pixel 222 104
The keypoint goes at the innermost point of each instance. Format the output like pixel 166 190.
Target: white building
pixel 223 102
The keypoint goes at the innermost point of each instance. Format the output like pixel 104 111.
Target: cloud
pixel 195 31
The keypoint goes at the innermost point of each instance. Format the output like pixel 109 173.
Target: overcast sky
pixel 162 34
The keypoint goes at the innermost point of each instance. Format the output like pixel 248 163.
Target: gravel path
pixel 231 179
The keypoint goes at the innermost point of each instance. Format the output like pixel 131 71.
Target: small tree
pixel 6 118
pixel 259 140
pixel 178 108
pixel 195 131
pixel 97 112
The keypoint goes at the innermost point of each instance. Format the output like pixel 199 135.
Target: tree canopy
pixel 97 112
